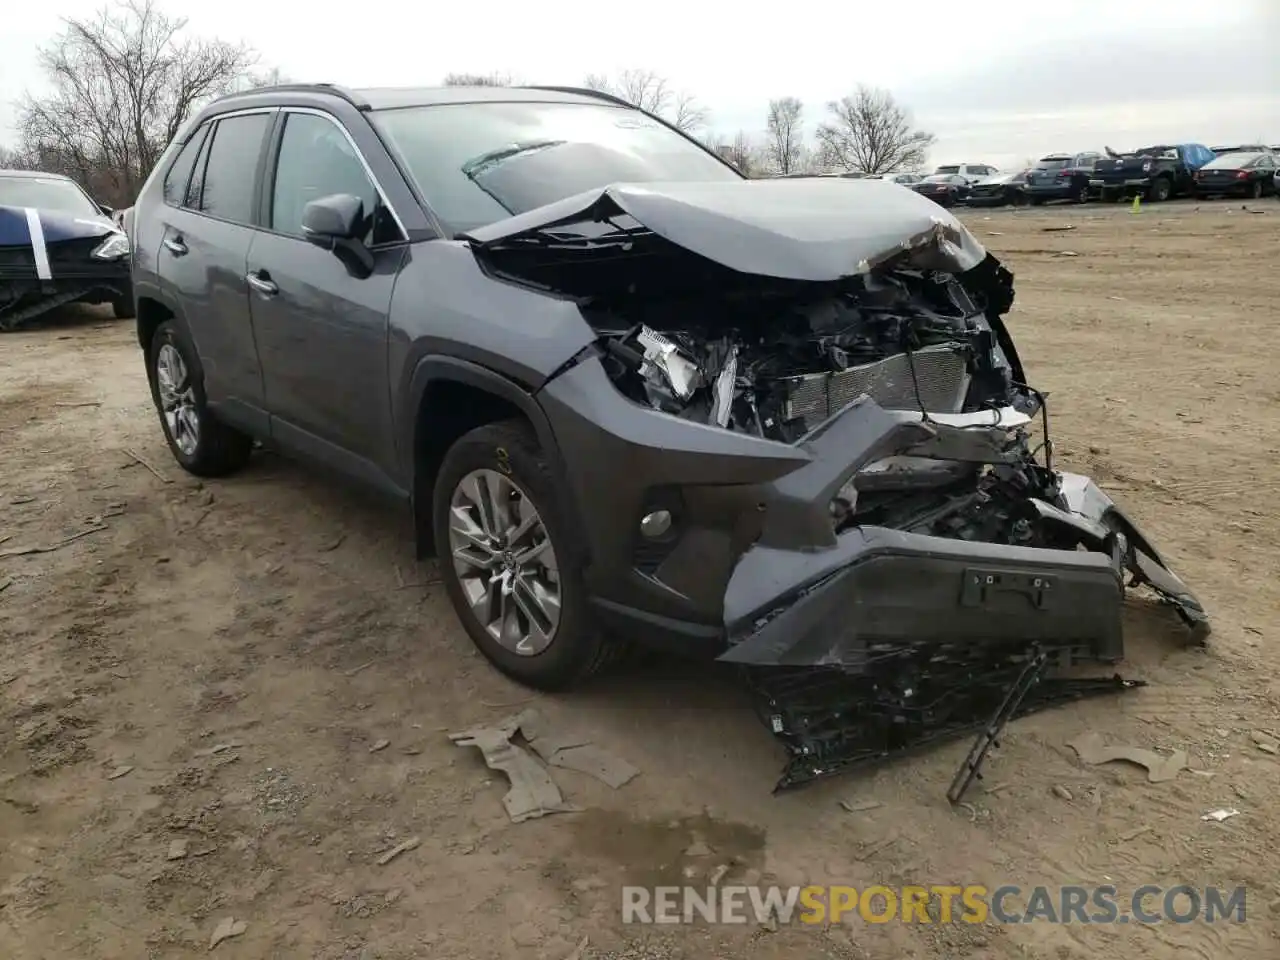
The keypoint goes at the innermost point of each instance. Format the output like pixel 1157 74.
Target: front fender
pixel 434 368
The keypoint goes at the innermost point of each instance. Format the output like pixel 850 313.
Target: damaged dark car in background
pixel 57 246
pixel 781 423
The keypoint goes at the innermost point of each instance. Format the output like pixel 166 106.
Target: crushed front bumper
pixel 877 586
pixel 23 300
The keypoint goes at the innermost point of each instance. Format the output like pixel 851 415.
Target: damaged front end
pixel 50 258
pixel 912 549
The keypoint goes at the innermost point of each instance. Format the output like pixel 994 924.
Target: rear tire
pixel 198 441
pixel 510 469
pixel 1082 194
pixel 1161 189
pixel 1256 190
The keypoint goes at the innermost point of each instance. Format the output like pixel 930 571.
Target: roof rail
pixel 360 103
pixel 582 91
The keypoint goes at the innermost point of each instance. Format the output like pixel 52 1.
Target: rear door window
pixel 230 172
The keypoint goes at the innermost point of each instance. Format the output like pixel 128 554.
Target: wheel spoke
pixel 509 632
pixel 473 490
pixel 465 528
pixel 496 492
pixel 529 555
pixel 527 519
pixel 475 558
pixel 532 605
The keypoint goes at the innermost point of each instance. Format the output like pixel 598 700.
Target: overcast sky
pixel 996 80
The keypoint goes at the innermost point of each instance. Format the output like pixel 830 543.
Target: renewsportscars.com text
pixel 1103 904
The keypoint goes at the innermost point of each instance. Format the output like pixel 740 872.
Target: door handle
pixel 261 283
pixel 175 246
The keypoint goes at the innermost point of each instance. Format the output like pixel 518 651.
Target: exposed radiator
pixel 941 371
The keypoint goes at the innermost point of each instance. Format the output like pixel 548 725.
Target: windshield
pixel 1053 163
pixel 61 195
pixel 955 169
pixel 477 163
pixel 1232 161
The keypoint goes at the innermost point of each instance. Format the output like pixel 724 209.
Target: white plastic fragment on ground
pixel 1220 815
pixel 533 793
pixel 1093 751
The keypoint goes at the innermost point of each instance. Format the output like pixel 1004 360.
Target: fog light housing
pixel 655 524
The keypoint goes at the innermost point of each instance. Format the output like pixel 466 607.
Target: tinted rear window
pixel 1232 161
pixel 1053 163
pixel 954 169
pixel 477 163
pixel 232 166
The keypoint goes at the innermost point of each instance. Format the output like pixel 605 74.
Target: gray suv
pixel 626 393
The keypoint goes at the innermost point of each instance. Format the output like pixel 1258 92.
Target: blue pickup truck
pixel 1154 173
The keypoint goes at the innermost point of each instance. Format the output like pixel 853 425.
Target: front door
pixel 322 333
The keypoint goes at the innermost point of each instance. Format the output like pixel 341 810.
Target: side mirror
pixel 336 217
pixel 336 223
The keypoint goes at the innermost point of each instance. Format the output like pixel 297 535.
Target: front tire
pixel 123 307
pixel 511 563
pixel 198 441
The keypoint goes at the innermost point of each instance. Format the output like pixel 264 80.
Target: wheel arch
pixel 449 397
pixel 151 314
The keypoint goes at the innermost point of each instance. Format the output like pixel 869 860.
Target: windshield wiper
pixel 473 168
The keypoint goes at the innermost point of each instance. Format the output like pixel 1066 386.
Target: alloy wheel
pixel 505 561
pixel 177 399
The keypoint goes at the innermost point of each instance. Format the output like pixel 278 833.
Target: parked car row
pixel 1155 173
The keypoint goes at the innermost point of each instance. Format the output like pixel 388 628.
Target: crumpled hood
pixel 816 230
pixel 56 225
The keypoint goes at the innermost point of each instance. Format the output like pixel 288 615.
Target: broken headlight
pixel 112 248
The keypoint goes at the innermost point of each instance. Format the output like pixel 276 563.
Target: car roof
pixel 391 98
pixel 33 175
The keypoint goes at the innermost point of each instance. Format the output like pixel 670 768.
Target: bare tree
pixel 686 113
pixel 124 82
pixel 267 78
pixel 784 148
pixel 744 154
pixel 870 133
pixel 11 159
pixel 652 92
pixel 477 80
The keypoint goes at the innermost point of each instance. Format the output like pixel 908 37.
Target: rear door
pixel 322 332
pixel 207 217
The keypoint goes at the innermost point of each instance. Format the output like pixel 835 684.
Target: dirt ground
pixel 285 615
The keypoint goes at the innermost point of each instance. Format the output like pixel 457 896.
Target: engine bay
pixel 778 363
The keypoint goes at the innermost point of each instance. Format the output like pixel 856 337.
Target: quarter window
pixel 317 160
pixel 191 199
pixel 179 175
pixel 232 167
